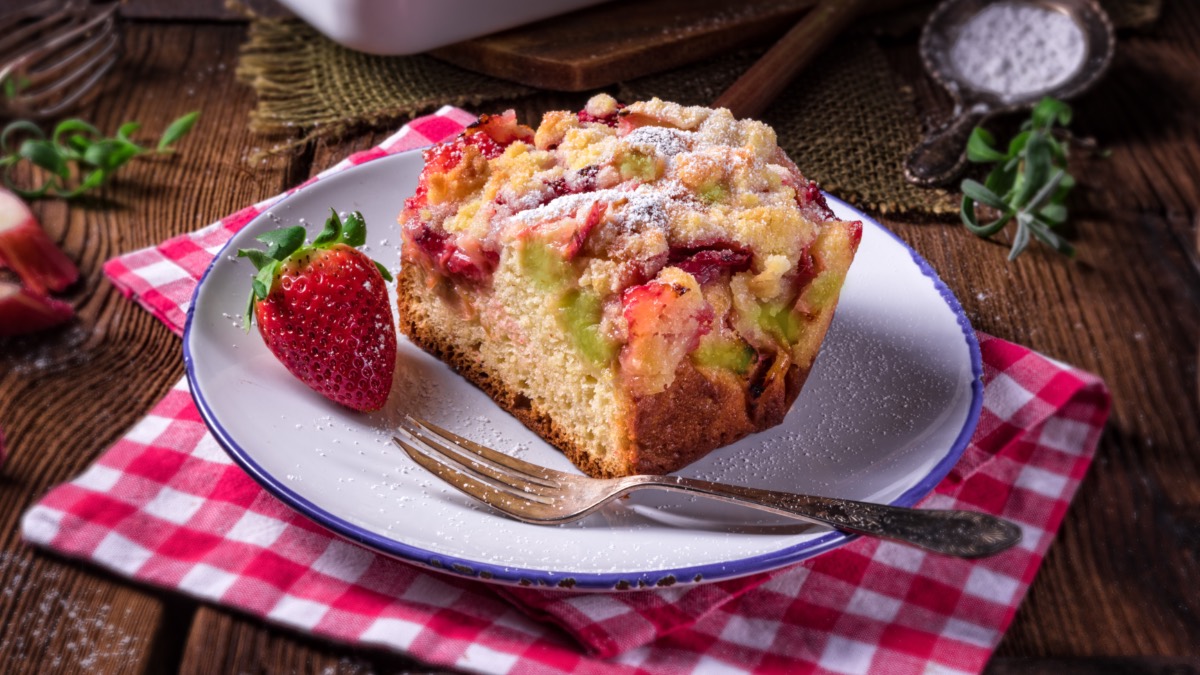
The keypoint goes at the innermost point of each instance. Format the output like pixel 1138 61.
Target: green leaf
pixel 283 242
pixel 45 154
pixel 1044 193
pixel 981 194
pixel 980 147
pixel 1036 170
pixel 36 193
pixel 93 180
pixel 354 230
pixel 265 279
pixel 1054 214
pixel 249 311
pixel 1051 110
pixel 1017 144
pixel 1021 240
pixel 1000 181
pixel 969 219
pixel 110 153
pixel 127 130
pixel 387 276
pixel 17 127
pixel 257 257
pixel 332 231
pixel 75 127
pixel 1043 232
pixel 177 129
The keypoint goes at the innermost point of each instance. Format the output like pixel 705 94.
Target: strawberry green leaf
pixel 283 242
pixel 387 276
pixel 354 230
pixel 332 231
pixel 249 312
pixel 257 257
pixel 265 279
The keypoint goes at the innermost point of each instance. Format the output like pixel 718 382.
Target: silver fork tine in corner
pixel 544 496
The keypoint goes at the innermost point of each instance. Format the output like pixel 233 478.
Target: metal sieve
pixel 941 155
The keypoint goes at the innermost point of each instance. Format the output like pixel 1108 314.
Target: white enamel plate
pixel 886 411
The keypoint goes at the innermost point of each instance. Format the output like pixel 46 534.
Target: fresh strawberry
pixel 25 248
pixel 323 311
pixel 25 311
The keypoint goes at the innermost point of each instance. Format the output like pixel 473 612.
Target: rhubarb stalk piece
pixel 27 250
pixel 24 311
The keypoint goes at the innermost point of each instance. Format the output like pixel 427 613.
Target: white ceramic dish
pixel 887 410
pixel 392 27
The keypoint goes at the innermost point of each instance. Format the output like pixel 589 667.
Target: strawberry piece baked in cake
pixel 639 285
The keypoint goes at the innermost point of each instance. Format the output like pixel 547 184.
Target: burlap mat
pixel 847 122
pixel 309 83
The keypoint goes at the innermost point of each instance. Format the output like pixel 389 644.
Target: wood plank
pixel 66 395
pixel 617 41
pixel 221 642
pixel 1149 665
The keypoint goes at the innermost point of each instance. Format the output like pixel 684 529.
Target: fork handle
pixel 965 534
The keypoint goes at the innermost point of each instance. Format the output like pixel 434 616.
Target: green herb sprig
pixel 77 156
pixel 1029 182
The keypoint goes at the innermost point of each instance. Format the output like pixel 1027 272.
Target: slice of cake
pixel 639 285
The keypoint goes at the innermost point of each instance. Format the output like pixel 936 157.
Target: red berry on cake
pixel 323 311
pixel 638 284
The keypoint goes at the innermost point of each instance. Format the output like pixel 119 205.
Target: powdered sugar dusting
pixel 668 142
pixel 633 209
pixel 1016 48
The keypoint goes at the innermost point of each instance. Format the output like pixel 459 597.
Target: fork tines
pixel 483 473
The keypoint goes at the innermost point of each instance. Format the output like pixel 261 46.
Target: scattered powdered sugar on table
pixel 69 619
pixel 1015 48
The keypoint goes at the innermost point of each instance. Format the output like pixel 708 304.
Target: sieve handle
pixel 941 156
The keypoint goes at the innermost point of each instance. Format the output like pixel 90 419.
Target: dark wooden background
pixel 1118 593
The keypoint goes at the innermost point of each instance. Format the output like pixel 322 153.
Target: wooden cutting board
pixel 622 40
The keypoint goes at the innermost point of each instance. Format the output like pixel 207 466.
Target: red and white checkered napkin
pixel 166 506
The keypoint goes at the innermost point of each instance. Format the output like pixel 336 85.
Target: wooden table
pixel 1117 593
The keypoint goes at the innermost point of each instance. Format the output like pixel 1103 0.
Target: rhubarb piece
pixel 27 250
pixel 23 310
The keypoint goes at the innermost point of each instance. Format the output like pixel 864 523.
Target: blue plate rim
pixel 571 580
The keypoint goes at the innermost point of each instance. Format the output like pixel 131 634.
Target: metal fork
pixel 53 53
pixel 543 496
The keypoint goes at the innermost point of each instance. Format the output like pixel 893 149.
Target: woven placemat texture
pixel 308 83
pixel 845 122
